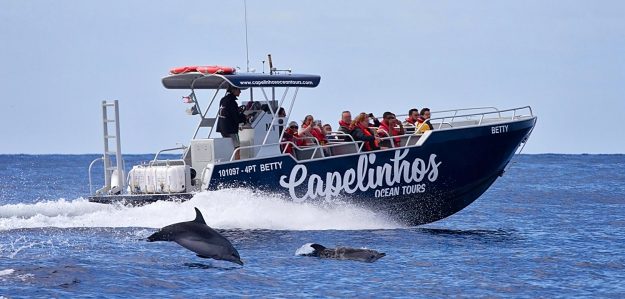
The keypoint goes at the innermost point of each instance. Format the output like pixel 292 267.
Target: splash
pixel 226 209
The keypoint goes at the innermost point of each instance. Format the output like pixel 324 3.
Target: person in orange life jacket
pixel 345 125
pixel 388 128
pixel 319 133
pixel 230 117
pixel 311 129
pixel 290 135
pixel 413 116
pixel 361 132
pixel 423 123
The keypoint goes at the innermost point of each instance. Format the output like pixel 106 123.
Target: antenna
pixel 247 52
pixel 270 64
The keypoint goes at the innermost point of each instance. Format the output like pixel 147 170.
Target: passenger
pixel 389 127
pixel 281 118
pixel 311 129
pixel 327 129
pixel 423 124
pixel 281 112
pixel 230 117
pixel 289 138
pixel 345 124
pixel 413 116
pixel 319 133
pixel 361 132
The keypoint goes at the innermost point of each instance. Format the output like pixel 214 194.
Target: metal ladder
pixel 117 171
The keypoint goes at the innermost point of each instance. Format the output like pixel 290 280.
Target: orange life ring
pixel 211 69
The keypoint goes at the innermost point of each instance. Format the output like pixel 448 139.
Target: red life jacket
pixel 365 130
pixel 318 134
pixel 346 125
pixel 390 132
pixel 292 136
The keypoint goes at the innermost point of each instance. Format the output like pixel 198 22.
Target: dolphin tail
pixel 198 217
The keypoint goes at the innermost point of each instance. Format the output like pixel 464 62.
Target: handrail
pixel 357 144
pixel 416 134
pixel 456 110
pixel 482 116
pixel 90 166
pixel 167 150
pixel 340 135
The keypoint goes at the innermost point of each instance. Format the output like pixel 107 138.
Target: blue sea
pixel 552 226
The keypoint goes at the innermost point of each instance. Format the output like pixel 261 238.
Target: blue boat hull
pixel 414 185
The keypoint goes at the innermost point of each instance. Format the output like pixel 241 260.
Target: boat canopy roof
pixel 196 80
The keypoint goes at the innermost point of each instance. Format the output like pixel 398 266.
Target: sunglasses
pixel 293 127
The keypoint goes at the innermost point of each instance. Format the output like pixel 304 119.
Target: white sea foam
pixel 230 208
pixel 6 272
pixel 305 249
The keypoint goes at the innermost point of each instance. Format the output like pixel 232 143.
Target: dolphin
pixel 200 238
pixel 341 253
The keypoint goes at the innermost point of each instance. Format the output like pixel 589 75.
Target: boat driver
pixel 230 117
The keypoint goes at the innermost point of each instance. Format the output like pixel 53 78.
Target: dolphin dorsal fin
pixel 317 247
pixel 198 217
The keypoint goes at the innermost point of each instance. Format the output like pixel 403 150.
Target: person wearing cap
pixel 230 117
pixel 290 137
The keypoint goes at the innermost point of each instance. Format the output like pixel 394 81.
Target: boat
pixel 424 178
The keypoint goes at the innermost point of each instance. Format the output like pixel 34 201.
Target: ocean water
pixel 552 226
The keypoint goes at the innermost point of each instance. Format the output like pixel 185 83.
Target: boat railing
pixel 168 162
pixel 340 143
pixel 321 151
pixel 91 167
pixel 315 150
pixel 454 112
pixel 454 120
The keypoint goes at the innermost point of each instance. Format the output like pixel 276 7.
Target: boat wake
pixel 225 209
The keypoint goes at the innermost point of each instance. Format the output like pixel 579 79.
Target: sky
pixel 60 59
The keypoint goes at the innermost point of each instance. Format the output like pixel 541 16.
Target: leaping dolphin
pixel 200 238
pixel 341 253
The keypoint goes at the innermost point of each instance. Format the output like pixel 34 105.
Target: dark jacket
pixel 359 135
pixel 229 115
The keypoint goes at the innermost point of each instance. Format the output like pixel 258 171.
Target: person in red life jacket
pixel 290 137
pixel 230 117
pixel 423 123
pixel 390 126
pixel 361 132
pixel 318 132
pixel 345 125
pixel 311 129
pixel 413 116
